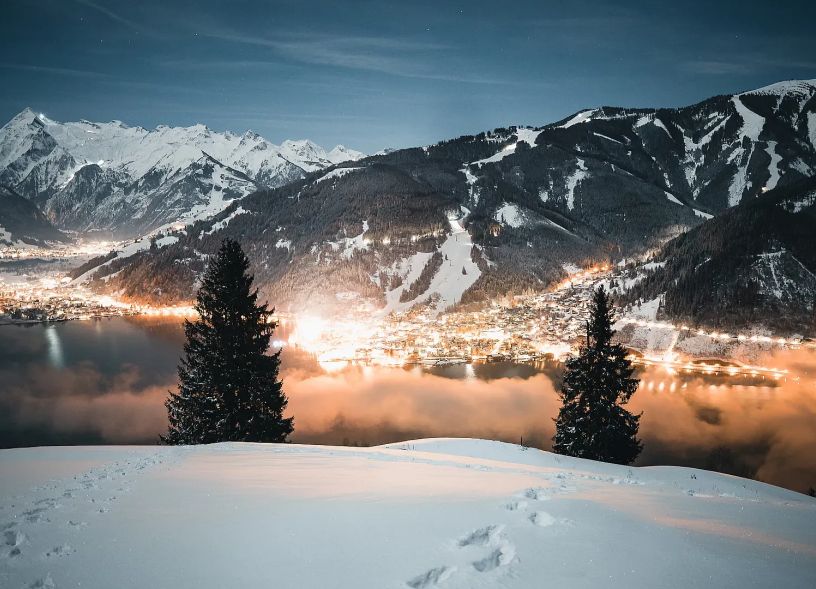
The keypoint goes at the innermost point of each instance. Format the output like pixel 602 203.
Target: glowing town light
pixel 308 331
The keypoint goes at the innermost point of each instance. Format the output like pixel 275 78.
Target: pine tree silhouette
pixel 592 422
pixel 228 385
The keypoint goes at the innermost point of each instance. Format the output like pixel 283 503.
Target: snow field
pixel 428 513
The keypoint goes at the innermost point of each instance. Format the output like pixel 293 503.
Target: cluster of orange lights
pixel 716 335
pixel 714 368
pixel 579 277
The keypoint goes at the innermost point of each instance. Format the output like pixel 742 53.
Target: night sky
pixel 386 74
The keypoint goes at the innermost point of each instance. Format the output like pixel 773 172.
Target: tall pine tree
pixel 228 385
pixel 592 422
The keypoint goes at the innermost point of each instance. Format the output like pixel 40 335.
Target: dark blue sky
pixel 386 74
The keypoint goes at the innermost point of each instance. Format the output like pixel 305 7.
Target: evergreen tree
pixel 592 422
pixel 228 385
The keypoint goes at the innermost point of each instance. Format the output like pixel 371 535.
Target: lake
pixel 105 381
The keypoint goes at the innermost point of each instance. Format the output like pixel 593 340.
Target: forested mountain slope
pixel 21 222
pixel 753 264
pixel 502 211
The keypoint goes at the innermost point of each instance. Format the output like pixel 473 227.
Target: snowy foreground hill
pixel 445 512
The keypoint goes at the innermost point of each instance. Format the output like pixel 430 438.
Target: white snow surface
pixel 572 182
pixel 219 225
pixel 799 87
pixel 751 128
pixel 773 167
pixel 607 137
pixel 138 149
pixel 471 179
pixel 448 284
pixel 581 117
pixel 672 198
pixel 647 310
pixel 151 158
pixel 511 215
pixel 353 244
pixel 811 126
pixel 336 173
pixel 523 135
pixel 527 135
pixel 128 249
pixel 453 513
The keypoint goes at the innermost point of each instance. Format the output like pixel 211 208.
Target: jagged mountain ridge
pixel 603 184
pixel 111 177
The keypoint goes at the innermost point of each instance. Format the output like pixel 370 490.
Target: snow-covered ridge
pixel 581 117
pixel 139 149
pixel 801 87
pixel 111 176
pixel 336 173
pixel 451 513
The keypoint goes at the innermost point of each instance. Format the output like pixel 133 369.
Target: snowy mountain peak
pixel 41 159
pixel 799 87
pixel 341 153
pixel 21 119
pixel 304 147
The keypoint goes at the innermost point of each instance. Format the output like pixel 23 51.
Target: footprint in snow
pixel 504 551
pixel 12 540
pixel 542 519
pixel 501 556
pixel 45 583
pixel 482 537
pixel 432 577
pixel 537 494
pixel 35 515
pixel 61 550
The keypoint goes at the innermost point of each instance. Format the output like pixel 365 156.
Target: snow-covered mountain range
pixel 88 176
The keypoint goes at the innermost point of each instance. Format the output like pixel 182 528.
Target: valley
pixel 393 230
pixel 407 295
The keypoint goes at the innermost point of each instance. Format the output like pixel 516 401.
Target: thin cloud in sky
pixel 714 67
pixel 110 14
pixel 743 65
pixel 52 70
pixel 375 54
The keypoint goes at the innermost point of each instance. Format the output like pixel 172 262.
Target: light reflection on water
pixel 55 357
pixel 105 382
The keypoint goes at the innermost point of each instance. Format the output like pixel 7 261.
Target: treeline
pixel 90 264
pixel 421 284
